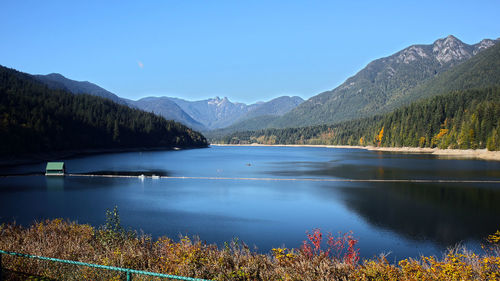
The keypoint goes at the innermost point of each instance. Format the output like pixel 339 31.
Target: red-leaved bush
pixel 341 248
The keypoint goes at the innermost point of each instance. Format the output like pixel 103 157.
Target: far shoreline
pixel 41 157
pixel 482 154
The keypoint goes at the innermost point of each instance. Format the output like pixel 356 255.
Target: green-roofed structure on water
pixel 55 169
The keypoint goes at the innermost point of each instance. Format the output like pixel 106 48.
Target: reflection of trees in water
pixel 443 213
pixel 396 170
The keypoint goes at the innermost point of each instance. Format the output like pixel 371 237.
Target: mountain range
pixel 168 109
pixel 457 109
pixel 39 120
pixel 220 112
pixel 382 86
pixel 200 115
pixel 58 81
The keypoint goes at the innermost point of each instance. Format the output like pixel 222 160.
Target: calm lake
pixel 403 218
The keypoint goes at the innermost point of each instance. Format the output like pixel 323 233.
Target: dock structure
pixel 55 169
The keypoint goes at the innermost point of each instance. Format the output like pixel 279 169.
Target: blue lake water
pixel 403 218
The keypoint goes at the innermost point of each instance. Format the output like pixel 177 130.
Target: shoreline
pixel 482 154
pixel 51 156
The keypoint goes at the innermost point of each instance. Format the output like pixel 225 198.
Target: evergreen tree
pixel 34 118
pixel 461 119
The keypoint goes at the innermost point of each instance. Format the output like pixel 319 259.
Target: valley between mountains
pixel 442 95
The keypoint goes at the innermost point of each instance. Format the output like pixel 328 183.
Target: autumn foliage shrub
pixel 340 248
pixel 320 257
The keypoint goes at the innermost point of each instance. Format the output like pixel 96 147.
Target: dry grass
pixel 235 261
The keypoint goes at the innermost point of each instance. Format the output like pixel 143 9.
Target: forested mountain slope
pixel 219 113
pixel 198 115
pixel 252 124
pixel 461 119
pixel 35 118
pixel 214 113
pixel 260 117
pixel 383 84
pixel 480 71
pixel 168 109
pixel 274 107
pixel 59 82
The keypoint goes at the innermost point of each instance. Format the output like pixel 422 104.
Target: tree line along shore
pixel 459 120
pixel 483 154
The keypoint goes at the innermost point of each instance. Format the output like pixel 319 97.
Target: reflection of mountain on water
pixel 444 213
pixel 391 169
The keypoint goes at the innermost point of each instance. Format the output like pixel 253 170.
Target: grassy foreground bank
pixel 320 258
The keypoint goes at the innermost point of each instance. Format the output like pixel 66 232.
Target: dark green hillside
pixel 59 82
pixel 388 83
pixel 34 118
pixel 252 124
pixel 460 119
pixel 483 70
pixel 274 107
pixel 168 109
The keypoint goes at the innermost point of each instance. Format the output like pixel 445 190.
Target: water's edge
pixel 482 154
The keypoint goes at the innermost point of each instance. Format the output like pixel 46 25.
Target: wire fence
pixel 17 266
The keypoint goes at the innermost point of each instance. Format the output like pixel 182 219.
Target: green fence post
pixel 1 267
pixel 129 276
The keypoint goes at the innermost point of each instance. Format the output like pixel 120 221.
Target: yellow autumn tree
pixel 421 142
pixel 436 140
pixel 380 136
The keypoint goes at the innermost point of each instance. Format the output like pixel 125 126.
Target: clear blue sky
pixel 245 50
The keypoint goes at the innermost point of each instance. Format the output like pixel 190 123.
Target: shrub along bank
pixel 320 258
